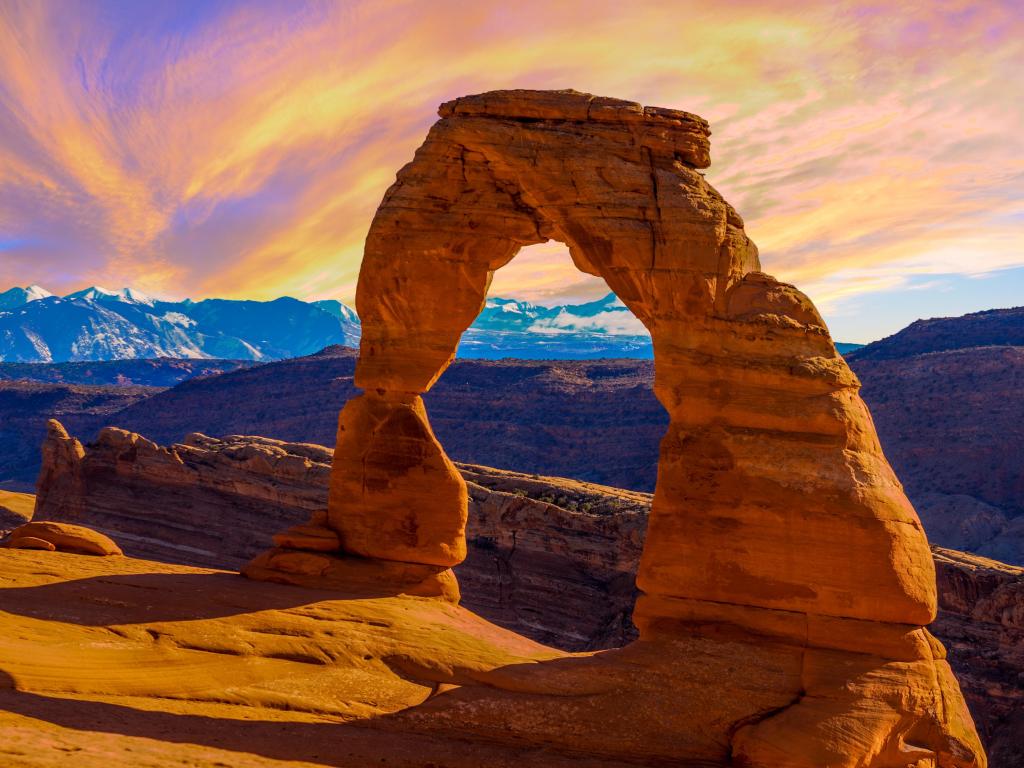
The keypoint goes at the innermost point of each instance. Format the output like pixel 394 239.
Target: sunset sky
pixel 239 149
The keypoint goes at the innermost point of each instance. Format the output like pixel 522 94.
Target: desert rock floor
pixel 15 508
pixel 123 662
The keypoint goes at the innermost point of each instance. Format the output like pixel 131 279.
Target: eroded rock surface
pixel 62 537
pixel 550 558
pixel 777 523
pixel 981 621
pixel 136 664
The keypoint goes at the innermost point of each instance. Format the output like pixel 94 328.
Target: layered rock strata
pixel 777 523
pixel 551 558
pixel 203 502
pixel 981 621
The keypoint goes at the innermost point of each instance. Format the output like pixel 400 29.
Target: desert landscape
pixel 823 655
pixel 449 416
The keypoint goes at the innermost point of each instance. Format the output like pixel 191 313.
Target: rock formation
pixel 981 621
pixel 61 537
pixel 203 502
pixel 549 558
pixel 777 525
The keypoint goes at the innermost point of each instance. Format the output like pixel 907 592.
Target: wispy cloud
pixel 240 148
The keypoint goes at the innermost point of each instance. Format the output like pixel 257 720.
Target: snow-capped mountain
pixel 341 311
pixel 604 328
pixel 17 297
pixel 607 316
pixel 105 295
pixel 101 324
pixel 596 329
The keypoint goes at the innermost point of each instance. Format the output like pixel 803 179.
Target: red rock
pixel 551 558
pixel 783 564
pixel 548 557
pixel 65 537
pixel 775 512
pixel 208 502
pixel 395 495
pixel 30 542
pixel 310 536
pixel 354 575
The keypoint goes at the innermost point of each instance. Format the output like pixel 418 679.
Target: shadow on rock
pixel 330 744
pixel 155 597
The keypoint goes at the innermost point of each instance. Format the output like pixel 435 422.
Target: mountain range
pixel 101 324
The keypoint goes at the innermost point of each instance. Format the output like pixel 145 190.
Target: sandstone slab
pixel 63 537
pixel 30 542
pixel 555 560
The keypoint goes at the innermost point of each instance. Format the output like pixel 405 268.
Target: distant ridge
pixel 993 327
pixel 17 297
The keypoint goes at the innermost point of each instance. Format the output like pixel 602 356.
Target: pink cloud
pixel 242 152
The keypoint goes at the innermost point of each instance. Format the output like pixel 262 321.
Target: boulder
pixel 63 537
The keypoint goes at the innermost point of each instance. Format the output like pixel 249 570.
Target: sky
pixel 240 149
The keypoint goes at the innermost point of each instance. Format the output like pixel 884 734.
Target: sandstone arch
pixel 776 514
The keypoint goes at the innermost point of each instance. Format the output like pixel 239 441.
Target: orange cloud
pixel 241 149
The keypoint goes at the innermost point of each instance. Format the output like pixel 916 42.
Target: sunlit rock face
pixel 783 568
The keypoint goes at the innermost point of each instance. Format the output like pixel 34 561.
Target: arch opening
pixel 551 386
pixel 540 306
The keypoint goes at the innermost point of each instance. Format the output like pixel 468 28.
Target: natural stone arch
pixel 744 367
pixel 775 513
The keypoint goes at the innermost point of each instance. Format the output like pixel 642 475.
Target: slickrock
pixel 777 525
pixel 15 509
pixel 118 662
pixel 550 558
pixel 63 537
